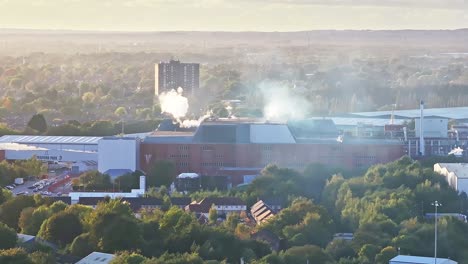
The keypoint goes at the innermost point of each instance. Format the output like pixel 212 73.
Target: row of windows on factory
pixel 179 156
pixel 212 164
pixel 183 164
pixel 186 156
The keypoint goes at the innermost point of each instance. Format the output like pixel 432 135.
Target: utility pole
pixel 435 204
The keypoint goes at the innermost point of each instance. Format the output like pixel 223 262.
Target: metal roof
pixel 354 121
pixel 451 113
pixel 97 257
pixel 420 260
pixel 69 140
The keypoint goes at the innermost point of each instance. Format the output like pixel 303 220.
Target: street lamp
pixel 435 204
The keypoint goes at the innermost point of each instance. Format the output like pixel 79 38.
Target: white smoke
pixel 175 104
pixel 282 103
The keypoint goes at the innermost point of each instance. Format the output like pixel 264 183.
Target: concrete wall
pixel 118 153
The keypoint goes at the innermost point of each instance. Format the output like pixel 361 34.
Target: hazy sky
pixel 233 15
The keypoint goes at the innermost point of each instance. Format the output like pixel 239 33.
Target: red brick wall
pixel 207 159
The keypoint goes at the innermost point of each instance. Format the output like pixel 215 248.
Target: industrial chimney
pixel 421 129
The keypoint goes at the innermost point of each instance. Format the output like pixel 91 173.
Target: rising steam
pixel 175 104
pixel 283 103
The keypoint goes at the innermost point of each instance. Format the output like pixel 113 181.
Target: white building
pixel 118 153
pixel 401 259
pixel 97 258
pixel 89 144
pixel 456 174
pixel 15 151
pixel 433 127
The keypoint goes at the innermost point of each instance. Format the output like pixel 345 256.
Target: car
pixel 31 187
pixel 35 190
pixel 9 187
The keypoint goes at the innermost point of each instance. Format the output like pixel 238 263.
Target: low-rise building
pixel 261 212
pixel 401 259
pixel 97 258
pixel 456 174
pixel 223 205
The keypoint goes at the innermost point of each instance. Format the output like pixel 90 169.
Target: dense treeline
pixel 384 209
pixel 89 87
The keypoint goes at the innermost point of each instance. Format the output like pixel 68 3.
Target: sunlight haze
pixel 224 15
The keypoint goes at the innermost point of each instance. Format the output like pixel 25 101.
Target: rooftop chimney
pixel 421 130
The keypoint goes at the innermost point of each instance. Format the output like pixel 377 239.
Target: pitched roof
pixel 181 201
pixel 223 201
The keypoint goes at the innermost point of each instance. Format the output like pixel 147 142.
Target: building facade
pixel 174 74
pixel 237 149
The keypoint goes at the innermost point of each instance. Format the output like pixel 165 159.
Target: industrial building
pixel 174 74
pixel 118 155
pixel 456 175
pixel 402 259
pixel 240 148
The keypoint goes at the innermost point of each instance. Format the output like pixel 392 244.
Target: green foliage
pixel 94 180
pixel 161 173
pixel 303 223
pixel 10 210
pixel 212 215
pixel 128 181
pixel 38 123
pixel 7 237
pixel 39 257
pixel 82 245
pixel 61 228
pixel 14 256
pixel 302 254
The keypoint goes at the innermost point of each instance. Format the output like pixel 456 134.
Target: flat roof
pixel 450 113
pixel 420 260
pixel 69 140
pixel 460 169
pixel 97 257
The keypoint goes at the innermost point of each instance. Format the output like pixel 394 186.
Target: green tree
pixel 39 257
pixel 385 255
pixel 213 215
pixel 14 256
pixel 302 254
pixel 10 210
pixel 82 245
pixel 61 228
pixel 38 123
pixel 126 257
pixel 7 237
pixel 161 173
pixel 94 180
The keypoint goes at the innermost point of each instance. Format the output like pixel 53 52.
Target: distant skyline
pixel 229 15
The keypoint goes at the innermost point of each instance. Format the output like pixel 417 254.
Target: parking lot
pixel 40 186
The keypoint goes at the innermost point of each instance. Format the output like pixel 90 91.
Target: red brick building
pixel 237 149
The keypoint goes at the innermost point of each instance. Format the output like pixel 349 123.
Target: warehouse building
pixel 239 148
pixel 456 175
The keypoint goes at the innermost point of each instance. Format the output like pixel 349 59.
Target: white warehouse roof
pixel 97 257
pixel 450 113
pixel 21 139
pixel 400 259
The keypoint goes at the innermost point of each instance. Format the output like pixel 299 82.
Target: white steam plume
pixel 282 103
pixel 175 104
